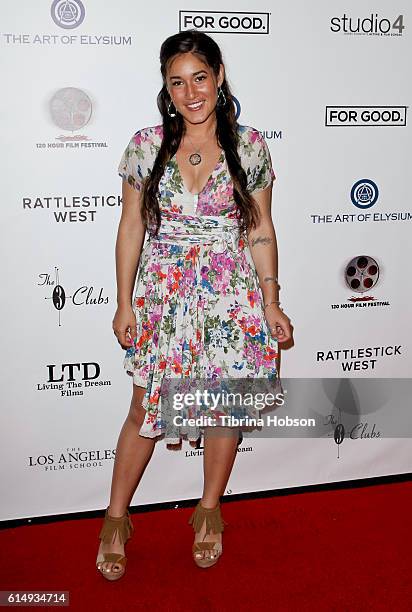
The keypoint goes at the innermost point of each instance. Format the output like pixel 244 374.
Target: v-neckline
pixel 220 159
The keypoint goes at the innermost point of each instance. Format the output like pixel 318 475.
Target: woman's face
pixel 192 86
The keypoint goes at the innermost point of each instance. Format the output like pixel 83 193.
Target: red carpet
pixel 343 550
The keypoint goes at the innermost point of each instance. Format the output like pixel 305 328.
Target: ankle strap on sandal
pixel 121 526
pixel 213 517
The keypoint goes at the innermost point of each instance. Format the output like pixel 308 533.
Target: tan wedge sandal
pixel 214 523
pixel 121 526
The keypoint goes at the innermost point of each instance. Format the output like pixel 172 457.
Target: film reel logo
pixel 68 14
pixel 71 110
pixel 361 275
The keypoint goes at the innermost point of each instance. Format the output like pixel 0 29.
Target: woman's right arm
pixel 130 238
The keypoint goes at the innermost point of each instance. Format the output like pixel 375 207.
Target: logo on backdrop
pixel 365 116
pixel 368 26
pixel 84 295
pixel 351 413
pixel 71 110
pixel 72 379
pixel 224 22
pixel 358 358
pixel 267 134
pixel 359 431
pixel 360 275
pixel 65 208
pixel 68 14
pixel 364 193
pixel 199 450
pixel 72 458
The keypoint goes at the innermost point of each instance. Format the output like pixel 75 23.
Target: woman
pixel 200 185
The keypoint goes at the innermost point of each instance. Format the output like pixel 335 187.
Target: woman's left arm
pixel 263 248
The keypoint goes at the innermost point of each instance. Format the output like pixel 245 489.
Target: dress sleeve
pixel 258 165
pixel 133 166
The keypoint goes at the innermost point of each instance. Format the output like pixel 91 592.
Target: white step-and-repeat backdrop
pixel 327 85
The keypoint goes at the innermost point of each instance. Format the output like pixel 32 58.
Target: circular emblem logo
pixel 70 108
pixel 364 193
pixel 362 273
pixel 67 14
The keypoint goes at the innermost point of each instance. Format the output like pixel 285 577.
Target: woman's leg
pixel 133 453
pixel 220 445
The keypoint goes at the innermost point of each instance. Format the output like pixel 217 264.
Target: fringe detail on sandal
pixel 214 521
pixel 122 526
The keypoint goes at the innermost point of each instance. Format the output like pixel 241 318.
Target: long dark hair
pixel 174 128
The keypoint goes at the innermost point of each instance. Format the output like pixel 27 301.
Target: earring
pixel 221 101
pixel 168 110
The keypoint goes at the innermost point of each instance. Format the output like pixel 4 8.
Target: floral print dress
pixel 197 301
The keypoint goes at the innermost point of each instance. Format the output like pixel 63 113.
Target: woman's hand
pixel 124 325
pixel 278 323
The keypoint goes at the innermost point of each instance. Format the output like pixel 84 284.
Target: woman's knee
pixel 136 412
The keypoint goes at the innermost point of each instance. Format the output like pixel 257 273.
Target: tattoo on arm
pixel 269 279
pixel 261 240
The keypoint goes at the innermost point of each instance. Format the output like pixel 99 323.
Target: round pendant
pixel 195 159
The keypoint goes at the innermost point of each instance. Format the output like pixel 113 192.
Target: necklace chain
pixel 195 158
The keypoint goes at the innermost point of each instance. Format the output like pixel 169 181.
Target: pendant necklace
pixel 195 158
